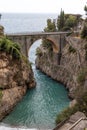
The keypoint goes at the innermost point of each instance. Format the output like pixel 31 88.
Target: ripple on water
pixel 39 107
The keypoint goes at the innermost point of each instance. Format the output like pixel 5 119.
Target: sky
pixel 42 6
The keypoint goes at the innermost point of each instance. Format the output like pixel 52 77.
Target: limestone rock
pixel 14 73
pixel 15 78
pixel 72 103
pixel 70 64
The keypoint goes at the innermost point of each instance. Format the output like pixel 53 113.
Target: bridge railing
pixel 37 33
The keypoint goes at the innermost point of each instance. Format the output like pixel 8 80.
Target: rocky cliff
pixel 72 71
pixel 16 74
pixel 15 78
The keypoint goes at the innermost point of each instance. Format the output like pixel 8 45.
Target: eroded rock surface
pixel 73 63
pixel 15 78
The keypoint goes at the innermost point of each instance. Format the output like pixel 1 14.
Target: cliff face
pixel 72 70
pixel 15 78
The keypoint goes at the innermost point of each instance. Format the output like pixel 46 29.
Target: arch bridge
pixel 27 39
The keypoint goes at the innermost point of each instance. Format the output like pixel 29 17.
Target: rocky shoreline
pixel 73 62
pixel 15 78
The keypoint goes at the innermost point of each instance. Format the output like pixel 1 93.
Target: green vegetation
pixel 61 20
pixel 82 103
pixel 84 32
pixel 71 49
pixel 85 47
pixel 38 52
pixel 65 114
pixel 51 27
pixel 82 75
pixel 25 59
pixel 10 48
pixel 13 49
pixel 47 44
pixel 85 51
pixel 67 22
pixel 1 30
pixel 80 106
pixel 85 9
pixel 80 97
pixel 86 55
pixel 1 95
pixel 70 21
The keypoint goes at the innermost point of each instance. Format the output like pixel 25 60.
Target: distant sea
pixel 24 22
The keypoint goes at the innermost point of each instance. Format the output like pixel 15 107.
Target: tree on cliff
pixel 51 27
pixel 61 21
pixel 84 30
pixel 67 21
pixel 85 9
pixel 71 21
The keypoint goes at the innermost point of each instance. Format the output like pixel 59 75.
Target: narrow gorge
pixel 60 76
pixel 72 70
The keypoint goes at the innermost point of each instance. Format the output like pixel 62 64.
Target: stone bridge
pixel 27 39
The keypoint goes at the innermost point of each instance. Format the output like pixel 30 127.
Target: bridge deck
pixel 36 33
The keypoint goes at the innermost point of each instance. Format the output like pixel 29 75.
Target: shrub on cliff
pixel 47 44
pixel 0 95
pixel 86 55
pixel 13 49
pixel 81 76
pixel 84 32
pixel 71 49
pixel 38 52
pixel 80 97
pixel 51 27
pixel 65 114
pixel 80 106
pixel 10 48
pixel 85 51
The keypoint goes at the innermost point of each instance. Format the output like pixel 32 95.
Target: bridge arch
pixel 27 39
pixel 55 46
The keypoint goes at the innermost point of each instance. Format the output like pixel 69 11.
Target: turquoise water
pixel 40 105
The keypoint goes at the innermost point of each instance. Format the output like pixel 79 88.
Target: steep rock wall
pixel 73 62
pixel 15 78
